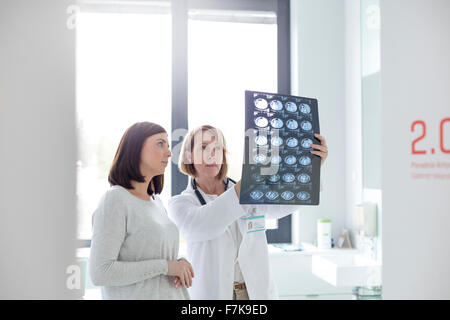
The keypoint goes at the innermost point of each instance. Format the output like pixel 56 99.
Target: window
pixel 181 64
pixel 123 77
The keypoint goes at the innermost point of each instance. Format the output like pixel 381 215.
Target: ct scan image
pixel 278 166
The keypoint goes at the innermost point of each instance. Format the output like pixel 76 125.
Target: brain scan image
pixel 260 158
pixel 261 104
pixel 275 160
pixel 303 195
pixel 278 166
pixel 304 178
pixel 257 177
pixel 276 105
pixel 288 177
pixel 306 143
pixel 290 160
pixel 306 125
pixel 276 123
pixel 304 160
pixel 274 178
pixel 292 142
pixel 276 141
pixel 261 122
pixel 291 107
pixel 256 195
pixel 287 195
pixel 261 140
pixel 305 109
pixel 271 195
pixel 292 124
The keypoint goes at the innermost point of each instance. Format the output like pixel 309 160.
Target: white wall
pixel 37 143
pixel 415 82
pixel 318 70
pixel 353 114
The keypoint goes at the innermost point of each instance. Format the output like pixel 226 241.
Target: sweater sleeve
pixel 109 232
pixel 202 223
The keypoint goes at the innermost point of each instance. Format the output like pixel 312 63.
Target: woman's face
pixel 207 154
pixel 155 155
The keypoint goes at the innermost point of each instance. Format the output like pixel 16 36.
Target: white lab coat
pixel 210 245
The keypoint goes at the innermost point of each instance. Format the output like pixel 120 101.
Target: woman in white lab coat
pixel 230 259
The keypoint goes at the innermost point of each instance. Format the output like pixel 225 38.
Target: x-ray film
pixel 278 166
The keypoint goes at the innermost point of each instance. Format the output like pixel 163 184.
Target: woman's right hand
pixel 237 188
pixel 182 270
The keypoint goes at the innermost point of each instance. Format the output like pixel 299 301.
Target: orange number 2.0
pixel 442 135
pixel 413 147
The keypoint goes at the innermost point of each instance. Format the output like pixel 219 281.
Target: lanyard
pixel 199 195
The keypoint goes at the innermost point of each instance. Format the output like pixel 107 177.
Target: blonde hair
pixel 187 167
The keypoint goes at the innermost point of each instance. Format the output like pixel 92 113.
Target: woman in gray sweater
pixel 134 248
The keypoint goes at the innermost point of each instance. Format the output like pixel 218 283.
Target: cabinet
pixel 291 272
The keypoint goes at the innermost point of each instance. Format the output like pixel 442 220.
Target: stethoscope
pixel 199 195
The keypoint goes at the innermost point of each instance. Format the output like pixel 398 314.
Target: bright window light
pixel 123 76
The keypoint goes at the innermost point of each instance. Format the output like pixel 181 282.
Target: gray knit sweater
pixel 131 243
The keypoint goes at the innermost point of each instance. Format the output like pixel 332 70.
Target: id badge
pixel 255 223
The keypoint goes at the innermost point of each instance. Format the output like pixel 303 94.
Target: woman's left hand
pixel 322 149
pixel 177 281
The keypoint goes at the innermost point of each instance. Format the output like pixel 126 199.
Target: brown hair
pixel 186 166
pixel 125 166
